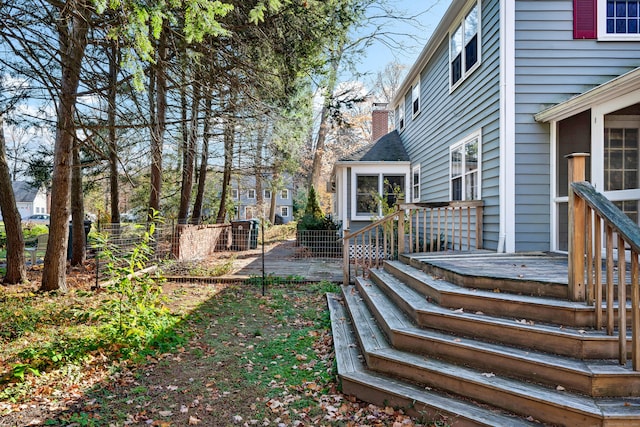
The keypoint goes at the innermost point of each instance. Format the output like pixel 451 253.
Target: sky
pixel 378 55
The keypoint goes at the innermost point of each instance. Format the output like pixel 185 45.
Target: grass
pixel 231 357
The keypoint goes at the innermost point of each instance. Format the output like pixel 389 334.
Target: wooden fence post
pixel 577 229
pixel 400 232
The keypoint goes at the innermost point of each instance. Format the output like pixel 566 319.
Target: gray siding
pixel 551 67
pixel 446 118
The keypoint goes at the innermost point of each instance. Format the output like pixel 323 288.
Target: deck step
pixel 549 405
pixel 382 390
pixel 532 275
pixel 447 294
pixel 591 377
pixel 567 341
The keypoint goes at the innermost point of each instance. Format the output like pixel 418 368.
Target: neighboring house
pixel 30 200
pixel 245 199
pixel 502 91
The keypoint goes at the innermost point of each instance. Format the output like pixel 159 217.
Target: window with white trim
pixel 267 194
pixel 618 19
pixel 234 193
pixel 366 189
pixel 415 97
pixel 251 193
pixel 464 47
pixel 464 171
pixel 284 194
pixel 401 114
pixel 284 211
pixel 415 184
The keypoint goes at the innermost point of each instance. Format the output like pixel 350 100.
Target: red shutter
pixel 584 19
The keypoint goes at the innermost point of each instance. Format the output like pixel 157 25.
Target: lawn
pixel 227 356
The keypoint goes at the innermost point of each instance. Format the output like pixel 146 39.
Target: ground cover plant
pixel 227 356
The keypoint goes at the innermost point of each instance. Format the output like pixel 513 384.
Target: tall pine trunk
pixel 158 98
pixel 196 216
pixel 72 29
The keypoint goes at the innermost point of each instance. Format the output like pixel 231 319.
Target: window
pixel 415 183
pixel 620 159
pixel 393 189
pixel 366 189
pixel 249 212
pixel 234 193
pixel 464 47
pixel 284 211
pixel 284 194
pixel 415 97
pixel 267 194
pixel 618 19
pixel 464 158
pixel 251 193
pixel 401 114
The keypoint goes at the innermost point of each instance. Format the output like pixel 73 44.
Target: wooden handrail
pixel 591 214
pixel 430 226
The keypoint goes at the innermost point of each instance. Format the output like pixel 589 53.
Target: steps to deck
pixel 528 355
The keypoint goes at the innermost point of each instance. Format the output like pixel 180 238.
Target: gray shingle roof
pixel 388 148
pixel 24 191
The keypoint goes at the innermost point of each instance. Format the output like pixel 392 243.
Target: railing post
pixel 345 258
pixel 400 231
pixel 577 224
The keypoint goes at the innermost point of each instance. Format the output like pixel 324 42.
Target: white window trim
pixel 415 91
pixel 458 22
pixel 267 194
pixel 414 170
pixel 282 209
pixel 284 191
pixel 477 134
pixel 602 26
pixel 249 192
pixel 402 119
pixel 379 170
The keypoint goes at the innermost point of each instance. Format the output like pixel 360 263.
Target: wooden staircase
pixel 469 349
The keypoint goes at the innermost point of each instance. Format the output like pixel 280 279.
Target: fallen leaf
pixel 194 421
pixel 488 374
pixel 165 413
pixel 560 388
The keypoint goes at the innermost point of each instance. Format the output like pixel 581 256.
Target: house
pixel 30 200
pixel 246 200
pixel 381 168
pixel 501 92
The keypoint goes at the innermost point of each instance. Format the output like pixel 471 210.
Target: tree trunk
pixel 228 164
pixel 158 125
pixel 16 270
pixel 77 209
pixel 260 135
pixel 196 216
pixel 114 187
pixel 189 156
pixel 72 31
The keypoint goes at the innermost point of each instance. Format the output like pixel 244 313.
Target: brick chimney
pixel 379 120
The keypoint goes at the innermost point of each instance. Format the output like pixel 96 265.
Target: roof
pixel 388 148
pixel 24 191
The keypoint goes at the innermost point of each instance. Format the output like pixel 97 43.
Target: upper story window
pixel 464 171
pixel 284 194
pixel 415 184
pixel 464 47
pixel 618 19
pixel 251 193
pixel 415 97
pixel 284 211
pixel 234 193
pixel 401 114
pixel 267 194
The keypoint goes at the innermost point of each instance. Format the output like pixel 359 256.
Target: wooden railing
pixel 591 213
pixel 426 227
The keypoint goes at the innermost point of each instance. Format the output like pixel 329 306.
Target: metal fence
pixel 318 244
